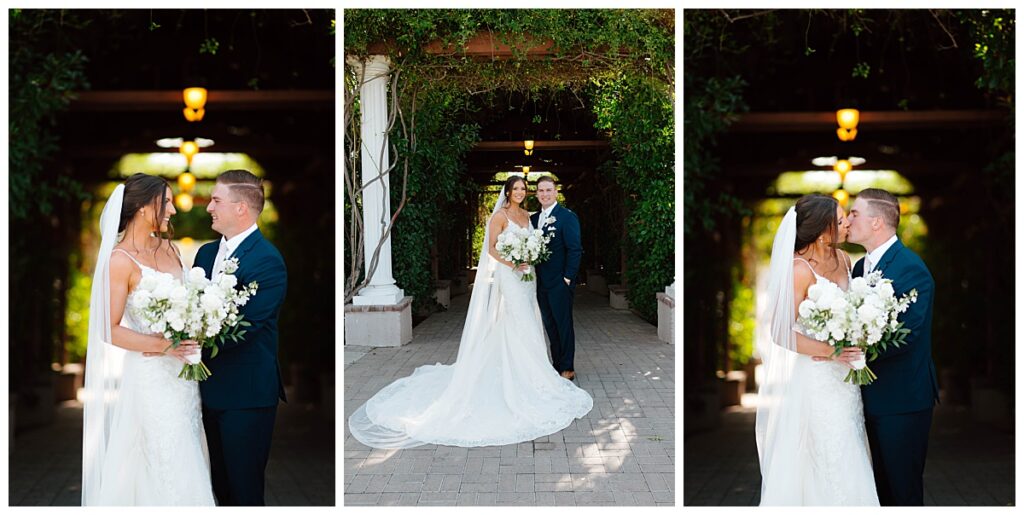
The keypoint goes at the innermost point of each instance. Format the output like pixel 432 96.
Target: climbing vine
pixel 620 60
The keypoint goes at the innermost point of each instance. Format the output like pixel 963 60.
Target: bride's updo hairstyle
pixel 511 181
pixel 141 190
pixel 815 216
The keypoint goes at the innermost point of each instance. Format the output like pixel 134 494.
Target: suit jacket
pixel 906 375
pixel 566 249
pixel 246 374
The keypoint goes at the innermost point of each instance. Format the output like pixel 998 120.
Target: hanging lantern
pixel 528 147
pixel 848 119
pixel 183 201
pixel 842 196
pixel 526 171
pixel 195 100
pixel 186 182
pixel 842 167
pixel 189 149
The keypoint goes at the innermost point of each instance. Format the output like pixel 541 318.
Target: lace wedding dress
pixel 501 390
pixel 811 439
pixel 156 451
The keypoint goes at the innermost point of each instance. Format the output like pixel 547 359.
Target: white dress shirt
pixel 873 257
pixel 228 247
pixel 544 214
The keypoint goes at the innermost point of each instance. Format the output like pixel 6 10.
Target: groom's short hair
pixel 245 186
pixel 547 178
pixel 882 204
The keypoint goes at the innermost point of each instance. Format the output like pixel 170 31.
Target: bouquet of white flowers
pixel 522 245
pixel 197 309
pixel 864 317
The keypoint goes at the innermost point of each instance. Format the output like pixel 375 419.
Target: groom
pixel 240 398
pixel 556 277
pixel 898 405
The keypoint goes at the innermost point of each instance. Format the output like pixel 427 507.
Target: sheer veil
pixel 778 428
pixel 464 373
pixel 483 300
pixel 103 359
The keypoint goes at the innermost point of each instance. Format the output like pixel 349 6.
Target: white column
pixel 373 105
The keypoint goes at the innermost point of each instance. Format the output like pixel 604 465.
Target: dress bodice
pixel 129 320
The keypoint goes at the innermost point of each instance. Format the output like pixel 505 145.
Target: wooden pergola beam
pixel 229 100
pixel 880 120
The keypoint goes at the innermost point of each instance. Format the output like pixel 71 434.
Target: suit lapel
pixel 247 244
pixel 889 256
pixel 858 268
pixel 554 213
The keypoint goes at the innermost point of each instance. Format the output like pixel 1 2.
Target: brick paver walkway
pixel 621 453
pixel 46 463
pixel 968 464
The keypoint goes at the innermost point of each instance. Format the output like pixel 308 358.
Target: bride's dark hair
pixel 140 190
pixel 816 215
pixel 509 183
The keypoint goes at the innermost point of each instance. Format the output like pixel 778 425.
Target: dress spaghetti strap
pixel 131 257
pixel 808 265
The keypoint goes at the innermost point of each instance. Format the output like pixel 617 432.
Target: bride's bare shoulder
pixel 802 273
pixel 120 264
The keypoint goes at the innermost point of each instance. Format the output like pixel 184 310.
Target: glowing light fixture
pixel 526 171
pixel 188 149
pixel 528 147
pixel 842 167
pixel 186 182
pixel 848 119
pixel 842 196
pixel 195 100
pixel 184 202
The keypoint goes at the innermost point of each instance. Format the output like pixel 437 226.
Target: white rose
pixel 211 301
pixel 141 298
pixel 227 281
pixel 868 313
pixel 814 292
pixel 806 307
pixel 162 290
pixel 885 289
pixel 178 293
pixel 837 334
pixel 828 295
pixel 158 327
pixel 149 282
pixel 859 285
pixel 839 305
pixel 197 275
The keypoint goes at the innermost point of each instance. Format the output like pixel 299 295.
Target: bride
pixel 143 441
pixel 502 388
pixel 811 440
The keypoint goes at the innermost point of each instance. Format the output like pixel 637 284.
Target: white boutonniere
pixel 231 266
pixel 548 223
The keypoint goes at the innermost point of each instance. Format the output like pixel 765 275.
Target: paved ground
pixel 46 463
pixel 968 464
pixel 622 453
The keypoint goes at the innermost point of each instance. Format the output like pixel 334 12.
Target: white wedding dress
pixel 156 451
pixel 501 390
pixel 811 438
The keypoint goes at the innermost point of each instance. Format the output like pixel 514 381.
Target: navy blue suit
pixel 553 295
pixel 898 405
pixel 240 398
